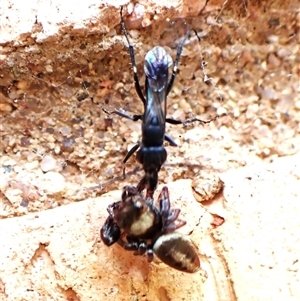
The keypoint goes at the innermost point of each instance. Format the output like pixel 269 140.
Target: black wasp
pixel 151 152
pixel 138 225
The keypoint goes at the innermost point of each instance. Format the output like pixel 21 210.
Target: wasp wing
pixel 157 63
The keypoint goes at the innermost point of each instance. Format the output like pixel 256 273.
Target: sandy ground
pixel 58 147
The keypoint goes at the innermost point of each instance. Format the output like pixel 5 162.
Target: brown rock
pixel 56 254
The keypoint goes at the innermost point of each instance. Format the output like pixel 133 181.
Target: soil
pixel 58 146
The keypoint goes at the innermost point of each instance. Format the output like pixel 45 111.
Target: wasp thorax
pixel 157 63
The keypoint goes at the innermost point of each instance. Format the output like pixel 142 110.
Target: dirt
pixel 58 146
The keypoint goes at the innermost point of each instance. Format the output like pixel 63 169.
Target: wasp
pixel 138 225
pixel 151 153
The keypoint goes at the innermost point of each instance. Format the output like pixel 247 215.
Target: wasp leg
pixel 129 154
pixel 176 62
pixel 170 140
pixel 123 114
pixel 191 120
pixel 131 52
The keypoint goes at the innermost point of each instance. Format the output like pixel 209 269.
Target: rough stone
pixel 57 254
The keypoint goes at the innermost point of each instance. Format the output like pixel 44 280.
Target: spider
pixel 138 225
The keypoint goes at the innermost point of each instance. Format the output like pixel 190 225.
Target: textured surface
pixel 56 254
pixel 56 141
pixel 61 63
pixel 40 20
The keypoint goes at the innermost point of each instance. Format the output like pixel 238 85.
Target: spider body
pixel 138 225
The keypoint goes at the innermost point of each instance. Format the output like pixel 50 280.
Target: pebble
pixel 7 161
pixel 67 144
pixel 22 84
pixel 5 107
pixel 273 61
pixel 273 39
pixel 65 130
pixel 184 105
pixel 31 165
pixel 283 52
pixel 232 94
pixel 236 112
pixel 48 163
pixel 268 93
pixel 53 182
pixel 49 68
pixel 57 149
pixel 14 196
pixel 49 138
pixel 146 21
pixel 221 111
pixel 18 169
pixel 134 33
pixel 266 143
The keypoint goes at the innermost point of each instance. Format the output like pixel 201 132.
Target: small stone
pixel 266 152
pixel 268 93
pixel 283 52
pixel 50 138
pixel 24 203
pixel 7 161
pixel 24 141
pixel 205 188
pixel 134 33
pixel 18 169
pixel 67 144
pixel 273 39
pixel 267 143
pixel 6 168
pixel 57 149
pixel 232 94
pixel 14 196
pixel 221 111
pixel 48 163
pixel 236 112
pixel 22 84
pixel 273 61
pixel 54 182
pixel 31 165
pixel 49 68
pixel 50 130
pixel 184 105
pixel 5 107
pixel 146 22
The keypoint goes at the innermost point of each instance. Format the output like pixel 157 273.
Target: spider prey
pixel 138 225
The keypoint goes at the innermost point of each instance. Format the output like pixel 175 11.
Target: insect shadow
pixel 151 152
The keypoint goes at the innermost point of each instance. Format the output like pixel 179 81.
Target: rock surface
pixel 254 255
pixel 60 63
